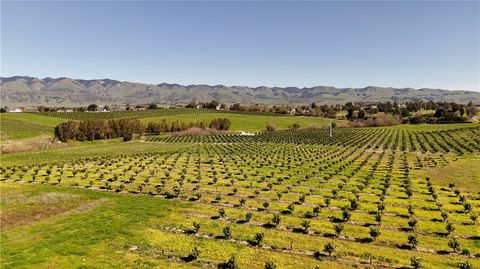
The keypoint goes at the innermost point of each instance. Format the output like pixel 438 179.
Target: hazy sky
pixel 343 44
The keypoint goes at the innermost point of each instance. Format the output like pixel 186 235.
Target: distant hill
pixel 30 91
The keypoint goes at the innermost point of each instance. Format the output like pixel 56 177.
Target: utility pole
pixel 331 127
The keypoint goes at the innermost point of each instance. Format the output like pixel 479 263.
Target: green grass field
pixel 24 126
pixel 283 196
pixel 246 122
pixel 20 126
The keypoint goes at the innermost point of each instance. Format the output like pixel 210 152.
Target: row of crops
pixel 82 116
pixel 270 195
pixel 460 141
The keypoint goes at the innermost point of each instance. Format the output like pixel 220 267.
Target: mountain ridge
pixel 64 91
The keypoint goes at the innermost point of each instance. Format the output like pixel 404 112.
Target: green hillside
pixel 20 126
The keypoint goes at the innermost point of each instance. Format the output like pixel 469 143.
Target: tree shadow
pixel 188 258
pixel 335 219
pixel 190 232
pixel 329 235
pixel 404 246
pixel 298 230
pixel 268 225
pixel 440 233
pixel 364 240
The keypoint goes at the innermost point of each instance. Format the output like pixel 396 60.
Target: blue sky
pixel 343 44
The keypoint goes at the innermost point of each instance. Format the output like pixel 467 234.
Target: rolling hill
pixel 30 91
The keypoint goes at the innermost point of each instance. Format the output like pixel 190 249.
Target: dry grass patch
pixel 8 147
pixel 44 206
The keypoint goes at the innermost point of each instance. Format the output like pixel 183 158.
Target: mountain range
pixel 55 92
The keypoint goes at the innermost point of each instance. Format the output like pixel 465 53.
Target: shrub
pixel 465 265
pixel 196 227
pixel 449 227
pixel 227 232
pixel 474 218
pixel 220 124
pixel 305 225
pixel 454 244
pixel 291 208
pixel 413 240
pixel 271 127
pixel 316 211
pixel 346 214
pixel 276 220
pixel 317 254
pixel 416 262
pixel 412 223
pixel 194 254
pixel 258 240
pixel 230 264
pixel 270 265
pixel 338 227
pixel 294 126
pixel 329 248
pixel 221 212
pixel 327 201
pixel 248 216
pixel 127 137
pixel 374 233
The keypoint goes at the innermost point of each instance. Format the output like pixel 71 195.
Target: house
pixel 16 110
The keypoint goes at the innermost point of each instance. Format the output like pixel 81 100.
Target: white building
pixel 245 133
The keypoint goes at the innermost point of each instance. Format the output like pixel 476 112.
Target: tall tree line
pixel 97 129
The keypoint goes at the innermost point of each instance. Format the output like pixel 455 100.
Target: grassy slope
pixel 97 230
pixel 465 172
pixel 74 237
pixel 19 126
pixel 245 122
